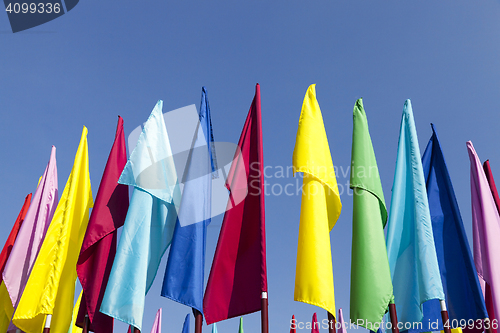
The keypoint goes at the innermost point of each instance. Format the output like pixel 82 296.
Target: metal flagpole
pixel 46 328
pixel 394 317
pixel 198 321
pixel 264 315
pixel 86 322
pixel 445 317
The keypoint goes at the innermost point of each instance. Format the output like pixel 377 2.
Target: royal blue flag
pixel 464 297
pixel 184 275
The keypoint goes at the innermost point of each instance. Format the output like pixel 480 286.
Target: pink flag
pixel 486 230
pixel 238 277
pixel 157 324
pixel 341 322
pixel 32 232
pixel 315 324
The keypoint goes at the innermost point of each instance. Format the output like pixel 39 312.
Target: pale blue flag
pixel 214 328
pixel 185 327
pixel 149 224
pixel 410 242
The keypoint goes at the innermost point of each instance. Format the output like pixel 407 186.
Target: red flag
pixel 293 325
pixel 315 324
pixel 238 277
pixel 488 297
pixel 99 245
pixel 13 234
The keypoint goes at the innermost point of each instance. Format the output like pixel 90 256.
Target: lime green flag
pixel 371 285
pixel 240 330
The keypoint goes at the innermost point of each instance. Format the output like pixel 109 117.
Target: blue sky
pixel 104 59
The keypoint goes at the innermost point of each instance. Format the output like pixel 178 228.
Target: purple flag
pixel 485 228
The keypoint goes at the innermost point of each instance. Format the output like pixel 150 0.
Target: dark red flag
pixel 238 277
pixel 13 234
pixel 99 245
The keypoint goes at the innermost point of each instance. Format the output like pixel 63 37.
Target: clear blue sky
pixel 108 58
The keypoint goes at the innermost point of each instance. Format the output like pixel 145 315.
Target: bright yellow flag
pixel 6 308
pixel 72 327
pixel 51 286
pixel 320 208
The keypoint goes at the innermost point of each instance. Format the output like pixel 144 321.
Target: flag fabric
pixel 72 327
pixel 485 230
pixel 185 326
pixel 51 285
pixel 293 325
pixel 487 289
pixel 9 243
pixel 240 329
pixel 99 245
pixel 184 276
pixel 149 223
pixel 371 284
pixel 214 328
pixel 32 232
pixel 157 323
pixel 461 287
pixel 28 241
pixel 342 328
pixel 410 243
pixel 238 277
pixel 320 208
pixel 315 324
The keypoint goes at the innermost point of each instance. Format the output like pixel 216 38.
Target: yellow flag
pixel 51 286
pixel 320 208
pixel 6 308
pixel 73 328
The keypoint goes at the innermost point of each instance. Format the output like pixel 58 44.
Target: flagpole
pixel 198 321
pixel 394 317
pixel 86 323
pixel 331 321
pixel 46 328
pixel 264 315
pixel 489 329
pixel 445 317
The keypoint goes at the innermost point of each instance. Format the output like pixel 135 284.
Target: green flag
pixel 240 330
pixel 371 285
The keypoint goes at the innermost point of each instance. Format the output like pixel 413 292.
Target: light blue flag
pixel 184 275
pixel 214 328
pixel 185 327
pixel 410 243
pixel 149 224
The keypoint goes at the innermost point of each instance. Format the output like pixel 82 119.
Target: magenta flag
pixel 315 324
pixel 488 297
pixel 238 278
pixel 157 324
pixel 486 230
pixel 7 248
pixel 32 232
pixel 99 245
